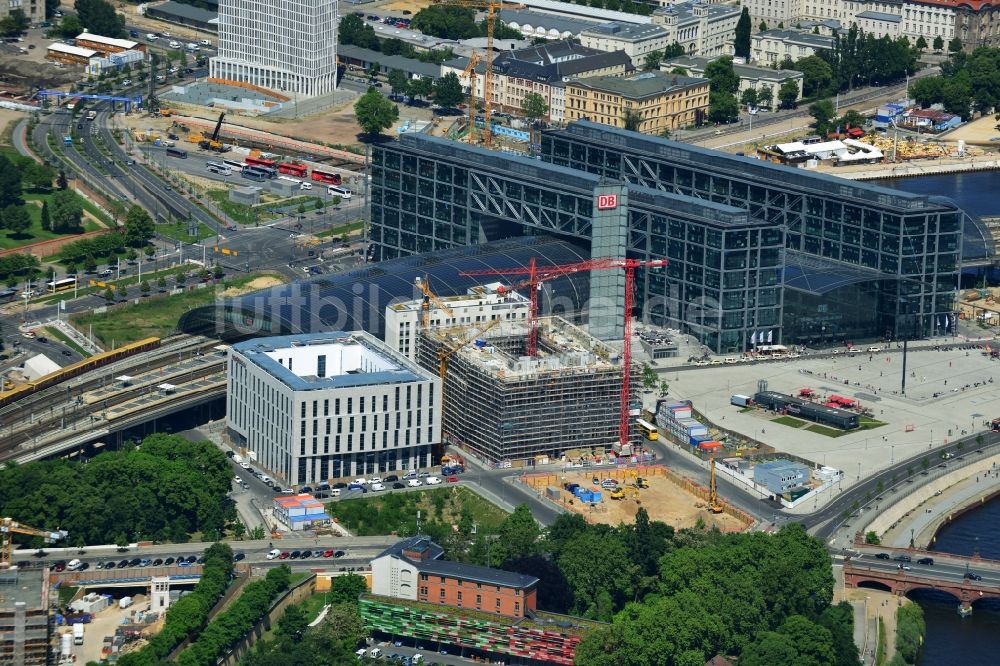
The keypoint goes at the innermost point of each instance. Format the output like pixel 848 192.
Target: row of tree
pixel 187 616
pixel 17 267
pixel 165 491
pixel 451 22
pixel 86 250
pixel 331 642
pixel 724 83
pixel 18 174
pixel 968 82
pixel 910 633
pixel 862 59
pixel 355 31
pixel 231 625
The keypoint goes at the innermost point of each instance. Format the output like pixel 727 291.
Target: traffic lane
pixel 869 554
pixel 951 574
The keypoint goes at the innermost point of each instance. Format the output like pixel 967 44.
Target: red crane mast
pixel 538 274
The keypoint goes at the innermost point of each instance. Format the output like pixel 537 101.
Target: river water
pixel 952 640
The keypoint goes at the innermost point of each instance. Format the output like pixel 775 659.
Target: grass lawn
pixel 866 423
pixel 239 212
pixel 35 233
pixel 129 281
pixel 829 432
pixel 789 421
pixel 153 317
pixel 397 512
pixel 343 230
pixel 63 338
pixel 179 232
pixel 66 593
pixel 313 605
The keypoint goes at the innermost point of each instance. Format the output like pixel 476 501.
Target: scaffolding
pixel 507 406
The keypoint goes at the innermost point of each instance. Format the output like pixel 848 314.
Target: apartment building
pixel 637 40
pixel 289 46
pixel 773 46
pixel 33 9
pixel 764 80
pixel 701 28
pixel 545 69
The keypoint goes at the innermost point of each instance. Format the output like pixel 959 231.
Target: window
pixel 321 366
pixel 460 595
pixel 424 577
pixel 498 605
pixel 517 606
pixel 479 600
pixel 441 595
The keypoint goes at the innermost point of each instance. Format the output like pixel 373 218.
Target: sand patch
pixel 263 282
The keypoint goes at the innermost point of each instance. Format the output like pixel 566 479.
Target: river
pixel 952 640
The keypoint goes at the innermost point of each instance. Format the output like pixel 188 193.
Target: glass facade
pixel 912 242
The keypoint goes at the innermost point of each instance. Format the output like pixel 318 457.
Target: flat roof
pixel 880 16
pixel 640 86
pixel 385 365
pixel 26 586
pixel 110 41
pixel 59 47
pixel 627 31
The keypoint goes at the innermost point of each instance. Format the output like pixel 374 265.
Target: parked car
pixel 328 553
pixel 413 483
pixel 283 556
pixel 929 561
pixel 168 561
pixel 391 477
pixel 398 485
pixel 238 557
pixel 433 480
pixel 453 479
pixel 294 555
pixel 377 487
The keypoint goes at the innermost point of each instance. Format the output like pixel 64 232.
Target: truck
pixel 67 645
pixel 77 634
pixel 740 400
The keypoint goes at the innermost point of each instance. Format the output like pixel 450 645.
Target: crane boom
pixel 429 297
pixel 470 73
pixel 537 275
pixel 9 526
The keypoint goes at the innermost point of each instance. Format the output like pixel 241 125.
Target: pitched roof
pixel 880 16
pixel 470 572
pixel 640 86
pixel 556 61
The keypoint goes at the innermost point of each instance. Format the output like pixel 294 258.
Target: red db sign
pixel 607 201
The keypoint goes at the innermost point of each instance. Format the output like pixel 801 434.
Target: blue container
pixel 480 343
pixel 579 490
pixel 595 497
pixel 586 495
pixel 698 439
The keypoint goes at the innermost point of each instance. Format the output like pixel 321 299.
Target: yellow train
pixel 78 368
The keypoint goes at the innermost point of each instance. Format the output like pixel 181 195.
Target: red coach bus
pixel 293 169
pixel 256 161
pixel 326 177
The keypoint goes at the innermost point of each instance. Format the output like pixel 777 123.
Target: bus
pixel 233 164
pixel 71 104
pixel 647 429
pixel 291 180
pixel 253 174
pixel 177 152
pixel 293 169
pixel 342 192
pixel 326 177
pixel 91 115
pixel 264 171
pixel 221 169
pixel 7 295
pixel 60 285
pixel 258 161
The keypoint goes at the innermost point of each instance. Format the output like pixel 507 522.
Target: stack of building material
pixel 300 512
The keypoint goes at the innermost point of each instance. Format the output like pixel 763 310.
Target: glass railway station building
pixel 757 252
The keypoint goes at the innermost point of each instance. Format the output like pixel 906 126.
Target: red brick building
pixel 412 569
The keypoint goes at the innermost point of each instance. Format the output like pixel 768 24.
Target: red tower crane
pixel 538 274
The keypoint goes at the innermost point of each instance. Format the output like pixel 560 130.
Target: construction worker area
pixel 612 496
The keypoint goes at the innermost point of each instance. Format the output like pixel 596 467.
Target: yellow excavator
pixel 213 143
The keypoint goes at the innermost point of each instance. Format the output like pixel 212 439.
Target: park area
pixel 377 514
pixel 669 498
pixel 158 316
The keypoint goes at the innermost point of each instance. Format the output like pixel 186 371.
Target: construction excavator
pixel 714 505
pixel 9 527
pixel 213 143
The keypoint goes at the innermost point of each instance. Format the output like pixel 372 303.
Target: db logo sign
pixel 607 201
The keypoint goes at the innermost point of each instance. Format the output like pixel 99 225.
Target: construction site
pixel 506 405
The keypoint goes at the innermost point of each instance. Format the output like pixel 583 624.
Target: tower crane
pixel 470 72
pixel 714 505
pixel 9 527
pixel 492 8
pixel 538 274
pixel 429 297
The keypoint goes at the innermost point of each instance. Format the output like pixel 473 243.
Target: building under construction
pixel 24 617
pixel 506 406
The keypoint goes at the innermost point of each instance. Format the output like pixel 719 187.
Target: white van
pixel 335 492
pixel 265 478
pixel 375 653
pixel 74 565
pixel 174 45
pixel 305 186
pixel 361 653
pixel 151 37
pixel 273 554
pixel 339 191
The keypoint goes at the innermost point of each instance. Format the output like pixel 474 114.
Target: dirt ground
pixel 397 6
pixel 978 132
pixel 257 283
pixel 663 500
pixel 7 117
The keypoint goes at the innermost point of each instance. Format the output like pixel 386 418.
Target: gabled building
pixel 412 569
pixel 773 46
pixel 764 80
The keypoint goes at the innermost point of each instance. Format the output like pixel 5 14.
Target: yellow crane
pixel 429 297
pixel 470 72
pixel 9 527
pixel 492 8
pixel 714 505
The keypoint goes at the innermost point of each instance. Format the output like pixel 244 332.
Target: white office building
pixel 482 304
pixel 288 47
pixel 323 406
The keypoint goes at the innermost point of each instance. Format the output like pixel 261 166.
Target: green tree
pixel 131 254
pixel 144 287
pixel 816 75
pixel 839 620
pixel 853 119
pixel 762 27
pixel 770 648
pixel 675 50
pixel 518 536
pixel 955 45
pixel 354 30
pixel 257 533
pixel 16 219
pixel 631 119
pixel 788 94
pixel 722 77
pixel 823 114
pixel 533 107
pixel 871 537
pixel 938 44
pixel 722 106
pixel 421 88
pixel 374 112
pixel 599 572
pixel 46 221
pixel 741 44
pixel 652 60
pixel 448 91
pixel 217 272
pixel 99 17
pixel 10 183
pixel 14 24
pixel 161 284
pixel 139 226
pixel 66 212
pixel 293 622
pixel 398 81
pixel 447 22
pixel 921 44
pixel 347 589
pixel 149 251
pixel 765 97
pixel 748 98
pixel 61 178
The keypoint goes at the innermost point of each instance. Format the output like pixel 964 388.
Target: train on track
pixel 78 368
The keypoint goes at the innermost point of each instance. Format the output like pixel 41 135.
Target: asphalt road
pixel 944 570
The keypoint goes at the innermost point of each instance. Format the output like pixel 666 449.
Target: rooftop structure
pixel 300 512
pixel 549 26
pixel 507 406
pixel 322 406
pixel 107 44
pixel 24 617
pixel 641 86
pixel 365 58
pixel 195 17
pixel 289 47
pixel 79 53
pixel 483 303
pixel 781 476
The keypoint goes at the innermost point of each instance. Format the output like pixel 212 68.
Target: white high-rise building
pixel 288 46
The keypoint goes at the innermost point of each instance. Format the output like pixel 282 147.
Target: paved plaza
pixel 941 401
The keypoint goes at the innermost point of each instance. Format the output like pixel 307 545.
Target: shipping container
pixel 740 400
